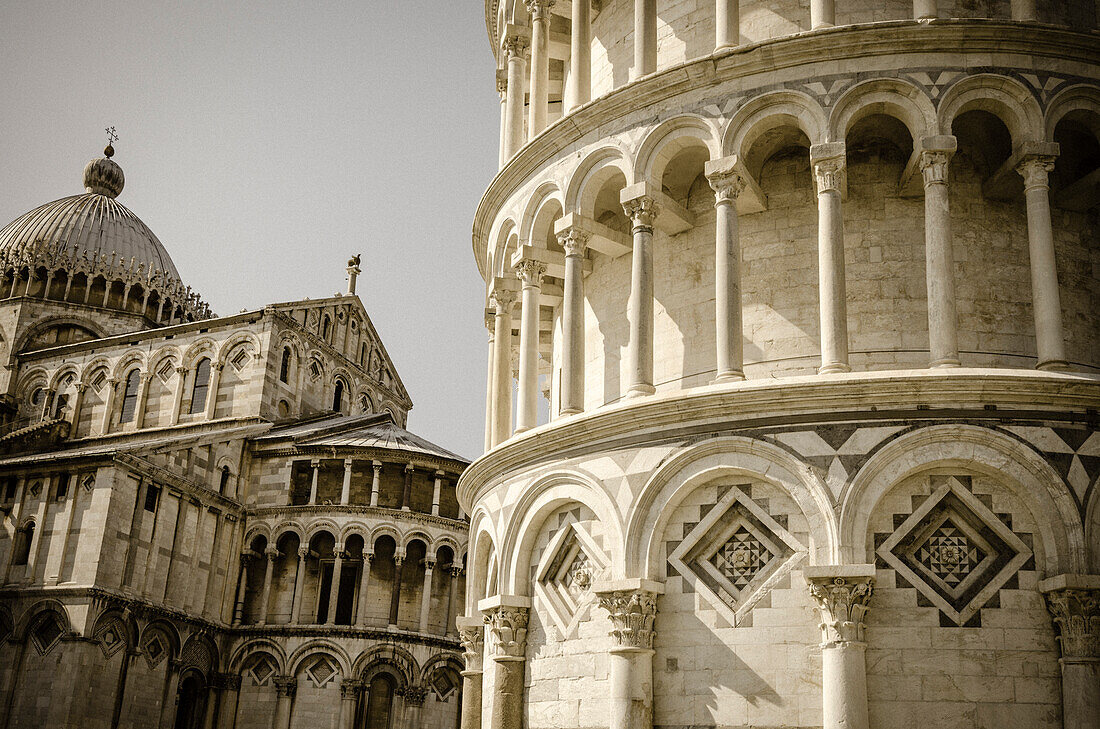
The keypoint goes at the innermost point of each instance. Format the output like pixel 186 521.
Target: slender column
pixel 515 52
pixel 579 91
pixel 265 597
pixel 471 632
pixel 452 584
pixel 1046 302
pixel 829 171
pixel 645 38
pixel 242 587
pixel 436 488
pixel 1074 604
pixel 575 242
pixel 376 483
pixel 170 697
pixel 924 9
pixel 727 183
pixel 502 91
pixel 15 516
pixel 395 593
pixel 78 403
pixel 414 701
pixel 212 391
pixel 40 528
pixel 502 365
pixel 315 464
pixel 822 13
pixel 489 382
pixel 285 688
pixel 727 24
pixel 530 274
pixel 406 492
pixel 74 494
pixel 943 335
pixel 349 695
pixel 227 708
pixel 192 581
pixel 364 586
pixel 213 695
pixel 1024 10
pixel 642 212
pixel 207 596
pixel 299 586
pixel 540 65
pixel 109 408
pixel 334 588
pixel 345 490
pixel 177 395
pixel 142 399
pixel 842 594
pixel 426 592
pixel 632 607
pixel 506 617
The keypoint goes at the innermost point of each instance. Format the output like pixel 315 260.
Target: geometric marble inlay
pixel 571 563
pixel 955 551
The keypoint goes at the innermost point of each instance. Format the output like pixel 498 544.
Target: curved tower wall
pixel 790 309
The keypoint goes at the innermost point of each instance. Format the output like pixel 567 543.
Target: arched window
pixel 326 325
pixel 23 545
pixel 284 366
pixel 338 396
pixel 201 387
pixel 130 396
pixel 224 480
pixel 380 700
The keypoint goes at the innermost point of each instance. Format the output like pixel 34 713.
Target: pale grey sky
pixel 266 142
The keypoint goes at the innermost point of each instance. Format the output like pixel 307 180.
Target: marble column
pixel 502 365
pixel 579 90
pixel 395 591
pixel 414 701
pixel 109 408
pixel 142 399
pixel 376 482
pixel 437 486
pixel 943 334
pixel 1074 604
pixel 78 403
pixel 632 608
pixel 829 170
pixel 452 587
pixel 727 183
pixel 842 593
pixel 1046 303
pixel 727 24
pixel 506 617
pixel 349 695
pixel 170 695
pixel 285 688
pixel 406 491
pixel 822 13
pixel 489 382
pixel 242 588
pixel 471 632
pixel 642 212
pixel 645 38
pixel 540 65
pixel 924 9
pixel 227 707
pixel 502 92
pixel 334 588
pixel 426 592
pixel 316 466
pixel 575 242
pixel 515 52
pixel 212 391
pixel 345 488
pixel 271 553
pixel 530 273
pixel 299 586
pixel 364 585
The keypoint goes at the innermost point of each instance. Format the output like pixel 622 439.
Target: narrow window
pixel 62 487
pixel 23 548
pixel 338 396
pixel 130 396
pixel 59 406
pixel 9 490
pixel 224 480
pixel 201 386
pixel 326 324
pixel 152 495
pixel 284 367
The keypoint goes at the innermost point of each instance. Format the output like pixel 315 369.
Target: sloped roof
pixel 377 430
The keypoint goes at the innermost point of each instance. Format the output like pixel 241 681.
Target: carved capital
pixel 539 9
pixel 350 688
pixel 632 613
pixel 303 552
pixel 272 553
pixel 515 45
pixel 829 174
pixel 726 185
pixel 841 604
pixel 508 626
pixel 933 166
pixel 502 83
pixel 530 272
pixel 642 211
pixel 415 695
pixel 286 686
pixel 502 299
pixel 1076 612
pixel 472 636
pixel 231 681
pixel 1034 170
pixel 574 241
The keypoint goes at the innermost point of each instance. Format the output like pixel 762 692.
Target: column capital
pixel 471 633
pixel 574 240
pixel 632 607
pixel 272 553
pixel 539 9
pixel 338 550
pixel 314 462
pixel 368 557
pixel 829 164
pixel 1036 162
pixel 350 688
pixel 935 154
pixel 727 178
pixel 502 299
pixel 229 681
pixel 506 616
pixel 303 552
pixel 842 593
pixel 530 271
pixel 1074 604
pixel 415 695
pixel 515 41
pixel 642 209
pixel 286 686
pixel 502 83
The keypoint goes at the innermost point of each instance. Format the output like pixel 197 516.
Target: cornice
pixel 378 512
pixel 914 395
pixel 964 40
pixel 346 631
pixel 385 455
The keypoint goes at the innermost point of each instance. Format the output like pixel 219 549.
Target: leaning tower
pixel 794 367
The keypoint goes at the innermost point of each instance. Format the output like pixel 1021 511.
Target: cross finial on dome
pixel 112 137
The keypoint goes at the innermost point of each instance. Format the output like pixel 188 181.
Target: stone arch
pixel 445 540
pixel 34 377
pixel 484 550
pixel 126 622
pixel 234 342
pixel 543 198
pixel 284 527
pixel 127 362
pixel 54 321
pixel 1078 97
pixel 200 652
pixel 542 497
pixel 205 347
pixel 388 654
pixel 247 650
pixel 1014 464
pixel 889 96
pixel 591 173
pixel 1092 526
pixel 355 528
pixel 729 456
pixel 385 530
pixel 506 227
pixel 91 367
pixel 30 617
pixel 323 646
pixel 1007 99
pixel 663 143
pixel 770 112
pixel 321 525
pixel 165 629
pixel 169 351
pixel 256 530
pixel 440 661
pixel 60 373
pixel 414 534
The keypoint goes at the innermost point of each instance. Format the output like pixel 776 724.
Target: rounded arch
pixel 247 650
pixel 233 342
pixel 355 528
pixel 545 196
pixel 446 540
pixel 205 347
pixel 167 631
pixel 728 456
pixel 982 450
pixel 593 171
pixel 200 652
pixel 484 541
pixel 44 325
pixel 284 527
pixel 770 112
pixel 97 363
pixel 388 654
pixel 114 616
pixel 1007 99
pixel 127 362
pixel 169 351
pixel 385 530
pixel 60 373
pixel 506 228
pixel 416 534
pixel 889 96
pixel 440 660
pixel 30 617
pixel 321 525
pixel 545 495
pixel 1078 97
pixel 324 646
pixel 669 138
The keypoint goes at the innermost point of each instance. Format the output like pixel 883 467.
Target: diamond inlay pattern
pixel 742 558
pixel 949 555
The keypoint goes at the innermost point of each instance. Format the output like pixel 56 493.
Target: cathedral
pixel 793 310
pixel 209 521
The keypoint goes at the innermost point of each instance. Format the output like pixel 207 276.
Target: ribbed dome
pixel 92 222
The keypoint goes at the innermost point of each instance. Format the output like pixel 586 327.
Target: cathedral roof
pixel 377 430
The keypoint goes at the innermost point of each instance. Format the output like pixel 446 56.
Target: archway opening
pixel 190 701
